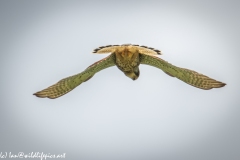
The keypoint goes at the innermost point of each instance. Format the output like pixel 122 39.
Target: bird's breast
pixel 127 61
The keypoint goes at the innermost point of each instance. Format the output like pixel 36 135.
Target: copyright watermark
pixel 36 155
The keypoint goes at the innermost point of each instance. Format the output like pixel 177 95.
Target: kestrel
pixel 127 58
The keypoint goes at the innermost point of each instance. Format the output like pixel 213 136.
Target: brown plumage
pixel 188 76
pixel 127 58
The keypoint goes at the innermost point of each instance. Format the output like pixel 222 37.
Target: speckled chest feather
pixel 127 60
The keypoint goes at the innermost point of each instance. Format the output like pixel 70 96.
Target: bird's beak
pixel 131 75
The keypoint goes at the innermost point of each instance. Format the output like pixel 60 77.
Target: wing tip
pixel 215 85
pixel 39 94
pixel 221 84
pixel 42 95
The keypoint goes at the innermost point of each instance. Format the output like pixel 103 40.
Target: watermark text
pixel 36 155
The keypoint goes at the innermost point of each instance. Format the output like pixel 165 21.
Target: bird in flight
pixel 127 58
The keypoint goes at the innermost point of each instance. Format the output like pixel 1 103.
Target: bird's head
pixel 133 74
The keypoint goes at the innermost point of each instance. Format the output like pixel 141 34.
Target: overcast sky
pixel 110 116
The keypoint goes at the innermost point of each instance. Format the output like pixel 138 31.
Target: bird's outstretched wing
pixel 188 76
pixel 67 84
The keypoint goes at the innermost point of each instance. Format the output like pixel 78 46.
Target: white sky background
pixel 111 116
